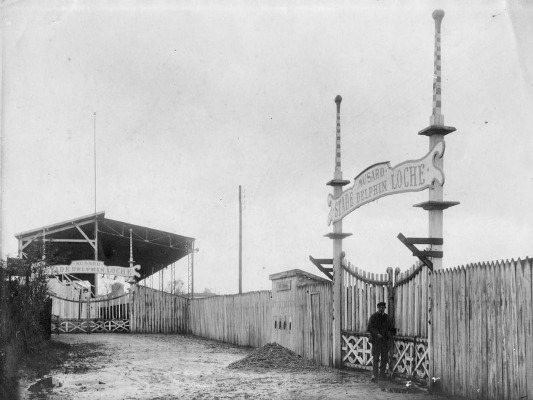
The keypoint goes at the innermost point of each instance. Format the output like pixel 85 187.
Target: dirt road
pixel 132 366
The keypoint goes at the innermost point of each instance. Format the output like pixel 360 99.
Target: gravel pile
pixel 274 356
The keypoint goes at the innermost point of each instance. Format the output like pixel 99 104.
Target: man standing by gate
pixel 381 330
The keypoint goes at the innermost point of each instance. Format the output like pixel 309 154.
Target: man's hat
pixel 382 304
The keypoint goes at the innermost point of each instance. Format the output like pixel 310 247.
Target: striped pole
pixel 337 236
pixel 437 118
pixel 436 194
pixel 337 251
pixel 436 203
pixel 338 171
pixel 131 249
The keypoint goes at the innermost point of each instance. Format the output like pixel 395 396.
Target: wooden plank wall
pixel 314 331
pixel 287 319
pixel 247 320
pixel 111 309
pixel 483 330
pixel 307 311
pixel 411 303
pixel 65 309
pixel 244 319
pixel 154 311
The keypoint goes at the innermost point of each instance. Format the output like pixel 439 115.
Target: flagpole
pixel 94 158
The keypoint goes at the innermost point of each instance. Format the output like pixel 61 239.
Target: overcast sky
pixel 193 99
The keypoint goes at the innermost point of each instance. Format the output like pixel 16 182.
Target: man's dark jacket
pixel 380 323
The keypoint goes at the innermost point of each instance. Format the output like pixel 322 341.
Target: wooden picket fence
pixel 483 330
pixel 481 324
pixel 154 311
pixel 479 319
pixel 362 291
pixel 411 301
pixel 302 322
pixel 244 319
pixel 410 311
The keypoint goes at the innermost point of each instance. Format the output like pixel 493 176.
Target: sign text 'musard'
pixel 381 180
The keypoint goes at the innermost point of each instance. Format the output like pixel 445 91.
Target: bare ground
pixel 136 366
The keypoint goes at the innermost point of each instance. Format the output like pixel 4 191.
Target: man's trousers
pixel 380 349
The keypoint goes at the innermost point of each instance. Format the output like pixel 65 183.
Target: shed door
pixel 316 331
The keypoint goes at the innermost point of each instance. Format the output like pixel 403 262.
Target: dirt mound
pixel 274 356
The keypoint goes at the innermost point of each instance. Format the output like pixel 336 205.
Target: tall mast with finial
pixel 337 235
pixel 436 204
pixel 436 132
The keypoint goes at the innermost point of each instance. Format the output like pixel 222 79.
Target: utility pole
pixel 240 239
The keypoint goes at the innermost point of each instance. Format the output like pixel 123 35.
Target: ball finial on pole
pixel 438 15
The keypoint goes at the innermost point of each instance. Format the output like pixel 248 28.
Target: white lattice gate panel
pixel 356 351
pixel 410 356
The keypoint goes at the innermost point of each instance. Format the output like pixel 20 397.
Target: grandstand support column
pixel 191 251
pixel 131 280
pixel 133 287
pixel 95 238
pixel 95 252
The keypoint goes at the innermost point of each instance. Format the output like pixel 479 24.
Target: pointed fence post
pixel 392 309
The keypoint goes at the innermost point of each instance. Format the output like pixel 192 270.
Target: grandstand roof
pixel 80 238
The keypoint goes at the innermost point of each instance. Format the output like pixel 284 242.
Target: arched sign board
pixel 381 180
pixel 93 267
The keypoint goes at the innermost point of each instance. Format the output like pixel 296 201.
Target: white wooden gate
pixel 406 296
pixel 91 315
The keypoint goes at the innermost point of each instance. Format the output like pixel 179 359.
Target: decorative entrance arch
pixel 372 183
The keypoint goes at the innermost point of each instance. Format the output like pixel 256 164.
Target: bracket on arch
pixel 422 255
